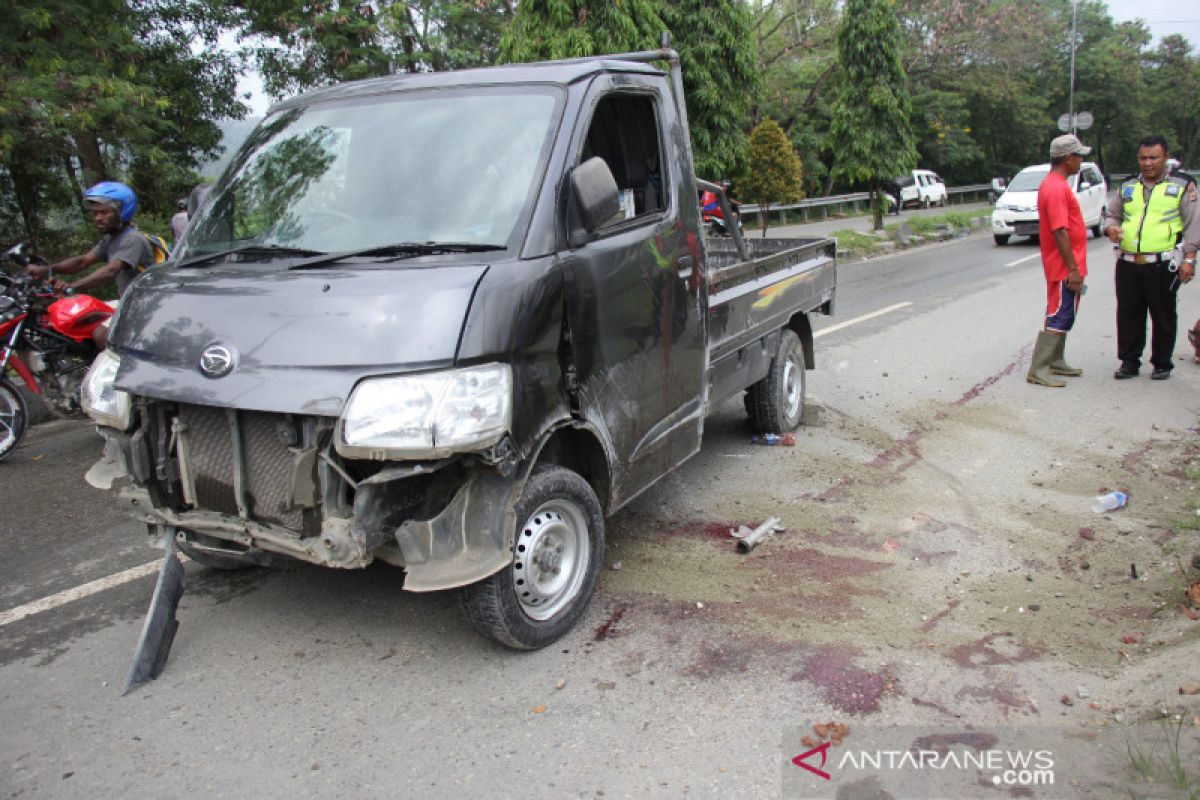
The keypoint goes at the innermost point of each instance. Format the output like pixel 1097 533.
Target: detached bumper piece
pixel 158 631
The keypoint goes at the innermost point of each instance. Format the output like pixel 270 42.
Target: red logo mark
pixel 821 748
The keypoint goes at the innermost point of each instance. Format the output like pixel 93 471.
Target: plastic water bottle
pixel 1109 502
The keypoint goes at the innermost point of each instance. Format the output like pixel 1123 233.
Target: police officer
pixel 1154 212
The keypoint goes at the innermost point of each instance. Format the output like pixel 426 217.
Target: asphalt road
pixel 939 501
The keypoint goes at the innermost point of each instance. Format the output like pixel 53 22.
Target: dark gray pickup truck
pixel 449 321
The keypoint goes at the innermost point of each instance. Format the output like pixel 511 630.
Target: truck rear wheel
pixel 558 549
pixel 776 403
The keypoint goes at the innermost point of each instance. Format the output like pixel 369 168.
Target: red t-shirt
pixel 1059 208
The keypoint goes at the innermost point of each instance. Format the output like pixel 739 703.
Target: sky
pixel 1163 17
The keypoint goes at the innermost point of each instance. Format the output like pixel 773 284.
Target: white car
pixel 1016 211
pixel 921 188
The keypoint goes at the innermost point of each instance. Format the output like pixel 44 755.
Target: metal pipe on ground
pixel 751 540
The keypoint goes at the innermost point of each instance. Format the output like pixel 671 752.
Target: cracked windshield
pixel 418 169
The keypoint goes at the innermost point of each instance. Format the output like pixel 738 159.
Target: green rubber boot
pixel 1058 364
pixel 1043 353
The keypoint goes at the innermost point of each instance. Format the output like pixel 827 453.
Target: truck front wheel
pixel 557 552
pixel 776 403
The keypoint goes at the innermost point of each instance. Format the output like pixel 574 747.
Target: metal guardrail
pixel 839 203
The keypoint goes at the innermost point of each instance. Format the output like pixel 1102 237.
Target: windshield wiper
pixel 398 250
pixel 252 250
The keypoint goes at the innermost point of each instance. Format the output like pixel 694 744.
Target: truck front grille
pixel 213 443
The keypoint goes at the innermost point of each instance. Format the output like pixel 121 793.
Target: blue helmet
pixel 115 194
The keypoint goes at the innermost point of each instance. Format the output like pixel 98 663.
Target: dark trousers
pixel 1145 288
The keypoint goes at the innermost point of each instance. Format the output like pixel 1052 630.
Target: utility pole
pixel 1071 93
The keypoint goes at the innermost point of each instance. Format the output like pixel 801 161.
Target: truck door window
pixel 624 132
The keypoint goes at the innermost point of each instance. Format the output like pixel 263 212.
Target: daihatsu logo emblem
pixel 216 361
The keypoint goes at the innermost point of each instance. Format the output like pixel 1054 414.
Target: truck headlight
pixel 101 398
pixel 427 415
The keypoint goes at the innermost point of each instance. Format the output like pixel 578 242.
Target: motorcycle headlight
pixel 428 415
pixel 101 398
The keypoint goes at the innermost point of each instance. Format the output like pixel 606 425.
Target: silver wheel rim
pixel 793 388
pixel 10 419
pixel 551 558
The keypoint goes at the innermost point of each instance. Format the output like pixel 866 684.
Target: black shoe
pixel 1126 372
pixel 1160 374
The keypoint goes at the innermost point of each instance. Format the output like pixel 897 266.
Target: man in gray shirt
pixel 179 221
pixel 122 248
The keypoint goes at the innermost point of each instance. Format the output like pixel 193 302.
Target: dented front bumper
pixel 249 482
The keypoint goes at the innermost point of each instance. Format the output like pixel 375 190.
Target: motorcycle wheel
pixel 14 418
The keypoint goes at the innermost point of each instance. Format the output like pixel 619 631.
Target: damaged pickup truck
pixel 451 322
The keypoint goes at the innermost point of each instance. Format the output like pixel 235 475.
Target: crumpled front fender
pixel 471 539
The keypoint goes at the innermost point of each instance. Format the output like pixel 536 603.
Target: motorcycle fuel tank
pixel 288 342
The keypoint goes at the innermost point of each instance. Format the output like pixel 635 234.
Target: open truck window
pixel 624 132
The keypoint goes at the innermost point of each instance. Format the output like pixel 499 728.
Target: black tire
pixel 528 604
pixel 1000 238
pixel 776 403
pixel 14 418
pixel 942 201
pixel 223 561
pixel 925 202
pixel 1098 228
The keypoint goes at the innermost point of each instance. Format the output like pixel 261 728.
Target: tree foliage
pixel 552 29
pixel 870 130
pixel 776 173
pixel 716 51
pixel 720 79
pixel 105 90
pixel 304 44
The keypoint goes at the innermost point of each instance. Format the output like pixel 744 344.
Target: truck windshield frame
pixel 456 165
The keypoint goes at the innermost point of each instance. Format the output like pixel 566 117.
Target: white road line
pixel 78 593
pixel 1023 260
pixel 863 318
pixel 1039 255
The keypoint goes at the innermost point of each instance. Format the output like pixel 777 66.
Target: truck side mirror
pixel 595 191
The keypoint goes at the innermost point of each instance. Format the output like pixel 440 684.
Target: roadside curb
pixel 901 240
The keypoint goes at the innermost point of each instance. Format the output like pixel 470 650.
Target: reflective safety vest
pixel 1152 227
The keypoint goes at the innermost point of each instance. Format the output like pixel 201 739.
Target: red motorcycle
pixel 47 342
pixel 713 217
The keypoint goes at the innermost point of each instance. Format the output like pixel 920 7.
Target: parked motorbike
pixel 714 218
pixel 47 342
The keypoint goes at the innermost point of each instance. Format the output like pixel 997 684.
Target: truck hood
pixel 298 341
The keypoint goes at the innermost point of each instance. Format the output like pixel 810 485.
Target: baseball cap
pixel 1067 145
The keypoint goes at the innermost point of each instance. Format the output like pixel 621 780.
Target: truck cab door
pixel 636 331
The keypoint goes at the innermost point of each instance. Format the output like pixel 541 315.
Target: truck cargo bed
pixel 749 299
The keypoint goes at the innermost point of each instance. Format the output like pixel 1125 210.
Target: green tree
pixel 870 131
pixel 797 58
pixel 302 45
pixel 1178 110
pixel 105 89
pixel 776 172
pixel 716 50
pixel 977 78
pixel 553 29
pixel 720 79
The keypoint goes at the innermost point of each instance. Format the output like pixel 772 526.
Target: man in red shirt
pixel 1064 259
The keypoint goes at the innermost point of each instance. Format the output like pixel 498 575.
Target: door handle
pixel 685 267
